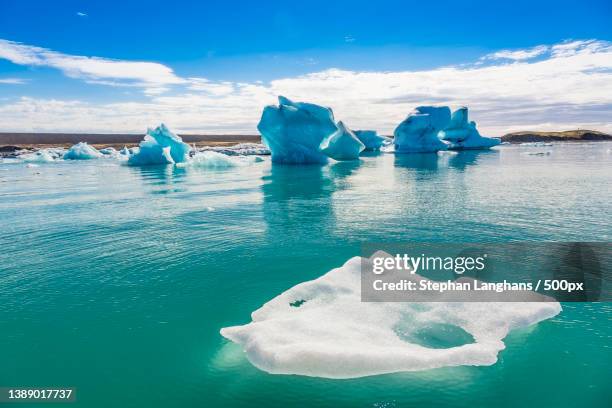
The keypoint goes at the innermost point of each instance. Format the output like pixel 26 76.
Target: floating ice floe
pixel 242 149
pixel 82 151
pixel 41 156
pixel 342 144
pixel 160 146
pixel 418 133
pixel 215 160
pixel 321 328
pixel 535 144
pixel 371 139
pixel 293 131
pixel 109 151
pixel 462 134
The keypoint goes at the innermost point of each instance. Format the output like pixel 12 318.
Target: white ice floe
pixel 214 160
pixel 82 151
pixel 41 156
pixel 535 144
pixel 241 149
pixel 322 328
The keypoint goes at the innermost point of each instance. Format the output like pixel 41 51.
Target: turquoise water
pixel 116 280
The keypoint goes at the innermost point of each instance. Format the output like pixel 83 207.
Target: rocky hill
pixel 567 136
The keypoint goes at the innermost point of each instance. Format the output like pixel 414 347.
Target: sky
pixel 211 66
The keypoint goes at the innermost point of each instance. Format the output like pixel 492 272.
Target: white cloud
pixel 12 81
pixel 145 74
pixel 81 14
pixel 569 86
pixel 517 55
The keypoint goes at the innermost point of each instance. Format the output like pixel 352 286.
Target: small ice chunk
pixel 160 146
pixel 242 149
pixel 418 133
pixel 214 160
pixel 321 328
pixel 342 144
pixel 462 134
pixel 41 156
pixel 82 151
pixel 293 131
pixel 535 144
pixel 109 151
pixel 371 139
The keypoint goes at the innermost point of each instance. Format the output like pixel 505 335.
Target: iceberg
pixel 462 134
pixel 125 151
pixel 82 151
pixel 160 146
pixel 293 131
pixel 418 133
pixel 342 144
pixel 371 139
pixel 321 328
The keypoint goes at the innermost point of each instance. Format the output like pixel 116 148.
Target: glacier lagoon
pixel 120 278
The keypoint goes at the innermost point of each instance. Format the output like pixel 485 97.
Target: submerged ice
pixel 418 133
pixel 160 146
pixel 342 144
pixel 321 328
pixel 294 131
pixel 82 151
pixel 462 134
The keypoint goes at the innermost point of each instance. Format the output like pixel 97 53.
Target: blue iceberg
pixel 418 133
pixel 160 146
pixel 293 131
pixel 370 139
pixel 462 134
pixel 82 151
pixel 342 144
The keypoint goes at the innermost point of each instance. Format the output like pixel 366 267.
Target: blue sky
pixel 211 66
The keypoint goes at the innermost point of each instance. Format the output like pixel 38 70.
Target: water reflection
pixel 298 200
pixel 417 161
pixel 466 158
pixel 163 179
pixel 343 169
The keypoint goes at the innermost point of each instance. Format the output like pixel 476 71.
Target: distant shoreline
pixel 118 140
pixel 33 140
pixel 566 136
